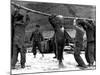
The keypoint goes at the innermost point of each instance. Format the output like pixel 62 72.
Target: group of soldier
pixel 58 42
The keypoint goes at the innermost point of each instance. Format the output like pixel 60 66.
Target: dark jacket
pixel 36 36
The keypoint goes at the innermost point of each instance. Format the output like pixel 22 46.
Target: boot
pixel 22 66
pixel 83 66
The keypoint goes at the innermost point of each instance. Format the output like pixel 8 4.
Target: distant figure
pixel 90 53
pixel 36 37
pixel 60 36
pixel 52 46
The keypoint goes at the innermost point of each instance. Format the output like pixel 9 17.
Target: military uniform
pixel 90 52
pixel 19 40
pixel 59 37
pixel 37 38
pixel 78 47
pixel 90 57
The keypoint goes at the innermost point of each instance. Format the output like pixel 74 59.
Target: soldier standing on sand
pixel 57 22
pixel 19 39
pixel 90 52
pixel 36 37
pixel 79 46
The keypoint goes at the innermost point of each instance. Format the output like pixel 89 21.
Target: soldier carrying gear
pixel 13 19
pixel 59 37
pixel 90 52
pixel 79 46
pixel 36 37
pixel 18 40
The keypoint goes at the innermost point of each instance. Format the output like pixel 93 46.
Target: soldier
pixel 18 40
pixel 57 22
pixel 89 27
pixel 79 46
pixel 36 38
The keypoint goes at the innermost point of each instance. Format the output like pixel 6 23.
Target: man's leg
pixel 90 53
pixel 60 53
pixel 15 56
pixel 54 49
pixel 23 57
pixel 77 56
pixel 40 49
pixel 34 49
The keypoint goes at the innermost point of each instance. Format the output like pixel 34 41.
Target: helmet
pixel 56 19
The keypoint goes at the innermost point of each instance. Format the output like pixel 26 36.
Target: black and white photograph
pixel 52 37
